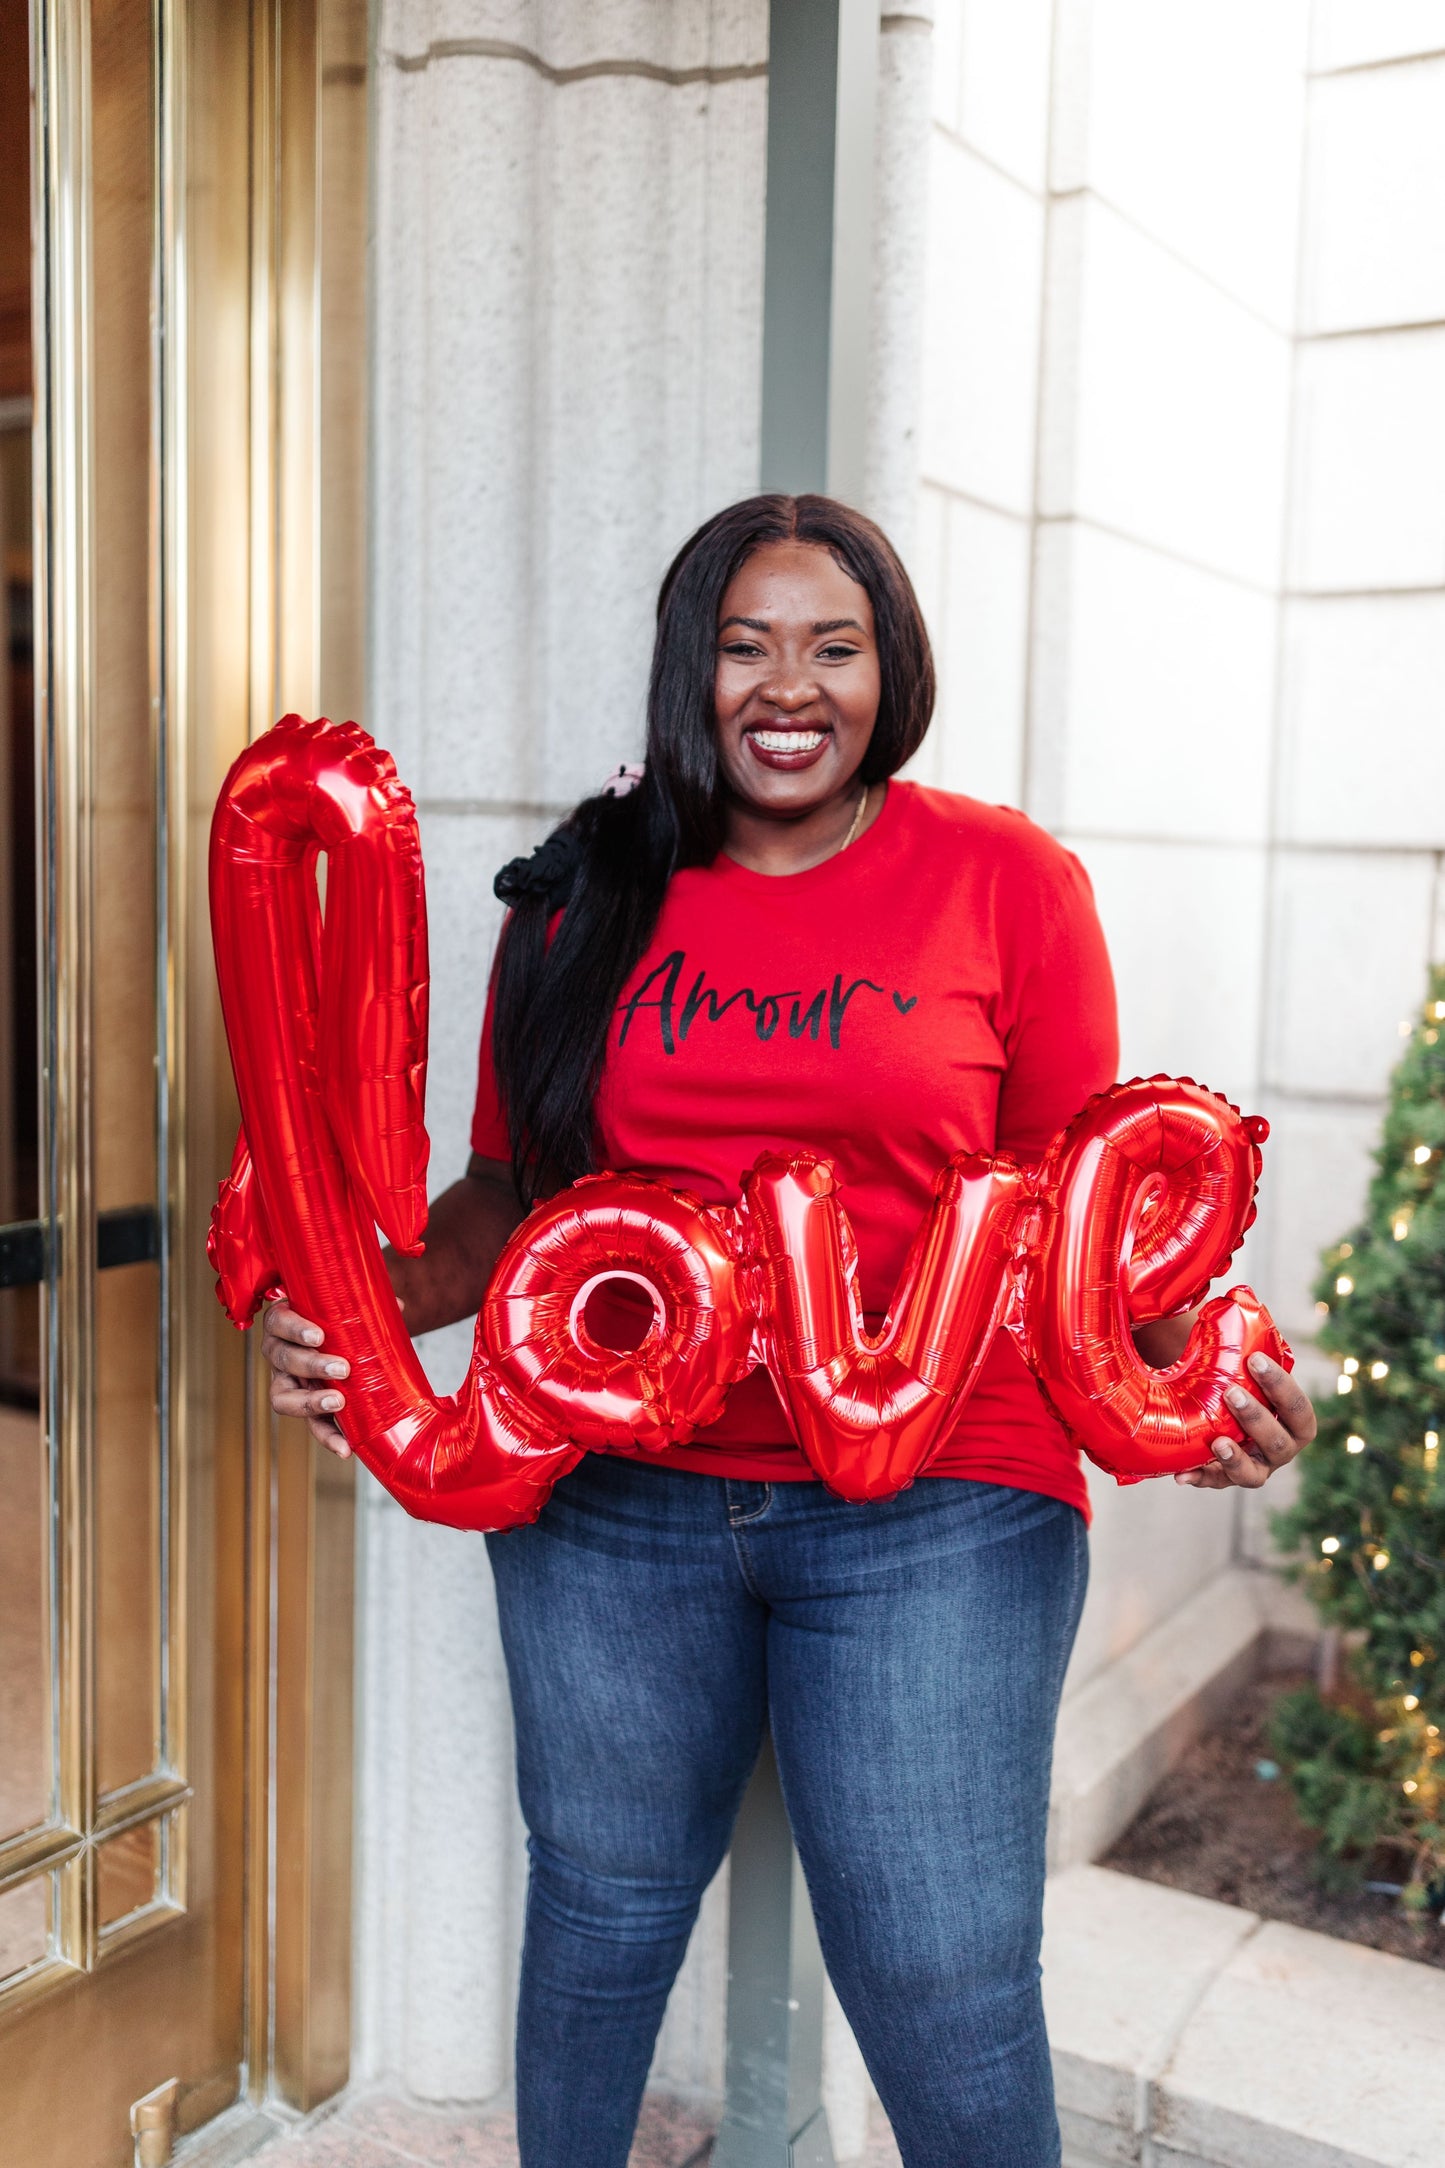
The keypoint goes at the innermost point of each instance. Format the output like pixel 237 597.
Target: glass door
pixel 174 1576
pixel 122 1770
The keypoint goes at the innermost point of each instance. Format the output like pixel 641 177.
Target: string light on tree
pixel 1368 1525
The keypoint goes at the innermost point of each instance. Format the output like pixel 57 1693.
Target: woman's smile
pixel 786 745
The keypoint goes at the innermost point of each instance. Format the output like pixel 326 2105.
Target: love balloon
pixel 1133 1210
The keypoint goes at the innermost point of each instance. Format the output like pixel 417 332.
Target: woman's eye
pixel 837 653
pixel 743 649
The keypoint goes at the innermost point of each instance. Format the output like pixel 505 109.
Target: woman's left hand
pixel 1272 1435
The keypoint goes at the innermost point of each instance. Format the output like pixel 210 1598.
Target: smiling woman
pixel 774 946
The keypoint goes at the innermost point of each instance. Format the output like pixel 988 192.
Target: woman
pixel 768 944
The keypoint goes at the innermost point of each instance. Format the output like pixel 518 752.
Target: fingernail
pixel 337 1369
pixel 1237 1397
pixel 312 1338
pixel 1260 1365
pixel 1222 1449
pixel 331 1402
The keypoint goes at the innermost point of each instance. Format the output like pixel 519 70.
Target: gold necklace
pixel 857 820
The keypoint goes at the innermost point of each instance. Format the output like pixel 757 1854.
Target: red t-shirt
pixel 941 986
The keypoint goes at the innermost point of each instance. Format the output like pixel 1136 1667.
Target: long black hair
pixel 611 860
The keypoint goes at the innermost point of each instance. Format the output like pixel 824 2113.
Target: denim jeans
pixel 908 1657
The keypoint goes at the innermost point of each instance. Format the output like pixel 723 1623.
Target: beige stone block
pixel 1316 1168
pixel 980 330
pixel 1367 504
pixel 1353 33
pixel 1124 1964
pixel 1002 84
pixel 1088 2143
pixel 1306 2052
pixel 1120 1733
pixel 1351 939
pixel 982 653
pixel 1362 754
pixel 1145 99
pixel 1152 689
pixel 1165 404
pixel 1189 975
pixel 1374 250
pixel 1148 1555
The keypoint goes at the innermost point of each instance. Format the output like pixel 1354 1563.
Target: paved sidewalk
pixel 382 2132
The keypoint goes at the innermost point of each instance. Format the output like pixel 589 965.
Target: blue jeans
pixel 908 1657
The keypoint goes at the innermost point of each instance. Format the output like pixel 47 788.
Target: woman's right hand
pixel 468 1225
pixel 301 1378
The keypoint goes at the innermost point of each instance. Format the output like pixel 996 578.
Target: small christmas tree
pixel 1370 1517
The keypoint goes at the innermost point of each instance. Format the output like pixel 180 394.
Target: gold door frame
pixel 64 677
pixel 307 525
pixel 257 491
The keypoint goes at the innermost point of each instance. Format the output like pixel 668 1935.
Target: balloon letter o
pixel 534 1320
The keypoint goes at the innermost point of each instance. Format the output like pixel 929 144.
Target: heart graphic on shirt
pixel 903 1006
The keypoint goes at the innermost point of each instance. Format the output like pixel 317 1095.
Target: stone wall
pixel 566 355
pixel 1356 906
pixel 1185 572
pixel 1105 439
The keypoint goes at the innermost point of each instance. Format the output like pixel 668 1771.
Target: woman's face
pixel 797 683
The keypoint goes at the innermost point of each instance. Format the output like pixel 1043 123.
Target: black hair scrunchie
pixel 550 871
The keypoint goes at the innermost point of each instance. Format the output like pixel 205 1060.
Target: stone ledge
pixel 1124 1730
pixel 1189 2034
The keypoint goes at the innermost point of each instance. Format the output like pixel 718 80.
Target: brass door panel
pixel 175 1666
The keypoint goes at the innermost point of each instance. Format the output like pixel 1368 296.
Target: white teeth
pixel 788 741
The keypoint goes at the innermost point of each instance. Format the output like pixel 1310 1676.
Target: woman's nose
pixel 789 688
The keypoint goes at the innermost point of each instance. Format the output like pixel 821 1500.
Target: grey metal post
pixel 775 2116
pixel 817 284
pixel 818 262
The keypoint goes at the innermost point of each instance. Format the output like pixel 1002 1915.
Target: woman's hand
pixel 302 1380
pixel 1272 1435
pixel 466 1230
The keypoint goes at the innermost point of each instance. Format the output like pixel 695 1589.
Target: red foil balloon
pixel 327 1031
pixel 1147 1195
pixel 535 1322
pixel 1136 1207
pixel 869 1410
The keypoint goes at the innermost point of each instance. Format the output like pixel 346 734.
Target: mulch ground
pixel 1215 1827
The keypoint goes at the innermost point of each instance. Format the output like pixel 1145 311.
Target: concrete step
pixel 1188 2034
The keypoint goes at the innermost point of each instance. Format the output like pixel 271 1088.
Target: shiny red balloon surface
pixel 1135 1208
pixel 327 1031
pixel 870 1410
pixel 1147 1195
pixel 537 1326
